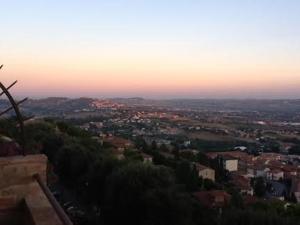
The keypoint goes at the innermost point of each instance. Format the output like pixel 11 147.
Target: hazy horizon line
pixel 159 99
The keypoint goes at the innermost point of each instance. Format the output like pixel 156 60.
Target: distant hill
pixel 56 105
pixel 59 105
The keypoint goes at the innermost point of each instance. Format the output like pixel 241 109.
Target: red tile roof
pixel 241 182
pixel 213 199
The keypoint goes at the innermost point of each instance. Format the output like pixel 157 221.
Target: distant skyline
pixel 151 48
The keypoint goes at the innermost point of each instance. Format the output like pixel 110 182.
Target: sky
pixel 151 48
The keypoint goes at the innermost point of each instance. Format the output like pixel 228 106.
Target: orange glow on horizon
pixel 131 73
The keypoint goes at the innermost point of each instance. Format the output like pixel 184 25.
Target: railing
pixel 59 210
pixel 15 107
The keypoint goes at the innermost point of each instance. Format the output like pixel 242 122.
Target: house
pixel 243 158
pixel 261 171
pixel 147 158
pixel 240 148
pixel 242 184
pixel 277 190
pixel 118 154
pixel 257 170
pixel 205 172
pixel 271 156
pixel 289 171
pixel 235 154
pixel 119 143
pixel 275 174
pixel 230 163
pixel 187 143
pixel 213 199
pixel 250 172
pixel 295 189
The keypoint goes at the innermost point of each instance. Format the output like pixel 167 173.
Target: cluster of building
pixel 278 170
pixel 281 172
pixel 164 127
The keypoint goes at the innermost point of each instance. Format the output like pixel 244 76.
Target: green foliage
pixel 71 130
pixel 131 192
pixel 209 184
pixel 153 146
pixel 236 199
pixel 8 127
pixel 293 211
pixel 220 173
pixel 141 144
pixel 295 150
pixel 52 144
pixel 36 134
pixel 163 148
pixel 100 169
pixel 133 155
pixel 139 177
pixel 188 156
pixel 260 186
pixel 72 163
pixel 144 194
pixel 187 175
pixel 206 145
pixel 202 159
pixel 159 159
pixel 250 217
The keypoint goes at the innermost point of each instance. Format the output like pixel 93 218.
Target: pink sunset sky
pixel 152 49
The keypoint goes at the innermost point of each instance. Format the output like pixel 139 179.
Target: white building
pixel 147 158
pixel 230 163
pixel 205 172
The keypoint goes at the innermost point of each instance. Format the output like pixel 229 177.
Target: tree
pixel 36 134
pixel 202 158
pixel 100 169
pixel 133 155
pixel 163 147
pixel 236 199
pixel 153 145
pixel 260 187
pixel 141 144
pixel 295 149
pixel 51 145
pixel 187 175
pixel 127 190
pixel 72 163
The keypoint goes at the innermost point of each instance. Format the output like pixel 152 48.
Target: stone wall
pixel 19 188
pixel 16 175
